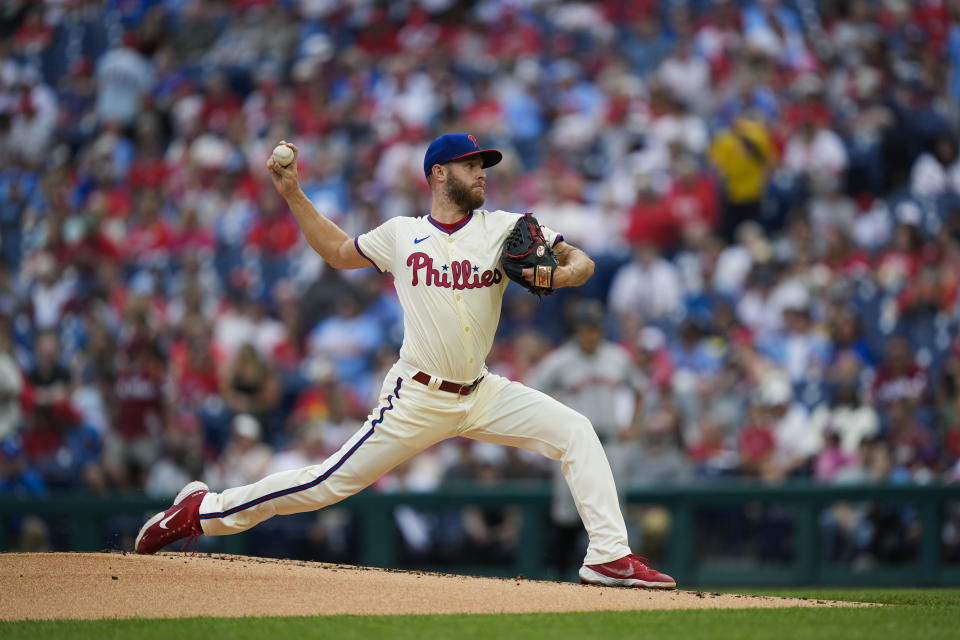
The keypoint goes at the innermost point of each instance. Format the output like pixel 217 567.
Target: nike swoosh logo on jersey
pixel 163 523
pixel 419 240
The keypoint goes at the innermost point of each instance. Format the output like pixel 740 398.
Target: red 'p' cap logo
pixel 540 251
pixel 474 141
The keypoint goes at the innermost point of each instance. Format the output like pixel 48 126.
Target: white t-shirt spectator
pixel 794 436
pixel 652 290
pixel 872 229
pixel 687 77
pixel 685 129
pixel 584 226
pixel 824 151
pixel 123 75
pixel 49 301
pixel 733 267
pixel 410 98
pixel 233 329
pixel 832 211
pixel 31 128
pixel 852 424
pixel 930 179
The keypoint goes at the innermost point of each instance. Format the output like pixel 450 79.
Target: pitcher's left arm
pixel 574 266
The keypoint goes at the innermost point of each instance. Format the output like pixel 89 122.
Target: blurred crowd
pixel 770 190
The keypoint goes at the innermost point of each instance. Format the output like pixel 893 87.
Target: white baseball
pixel 283 155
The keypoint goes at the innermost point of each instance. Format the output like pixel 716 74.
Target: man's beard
pixel 462 196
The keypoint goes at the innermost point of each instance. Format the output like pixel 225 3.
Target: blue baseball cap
pixel 457 146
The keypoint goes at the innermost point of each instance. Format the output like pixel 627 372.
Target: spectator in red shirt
pixel 902 258
pixel 92 249
pixel 148 170
pixel 807 106
pixel 693 200
pixel 843 257
pixel 650 219
pixel 378 37
pixel 719 38
pixel 519 35
pixel 191 236
pixel 47 408
pixel 273 232
pixel 34 34
pixel 757 443
pixel 312 109
pixel 485 114
pixel 927 293
pixel 194 364
pixel 220 103
pixel 899 377
pixel 711 450
pixel 652 356
pixel 150 238
pixel 141 413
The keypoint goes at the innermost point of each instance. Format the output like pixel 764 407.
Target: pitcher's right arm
pixel 326 238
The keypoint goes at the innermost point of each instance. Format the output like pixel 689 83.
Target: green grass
pixel 907 597
pixel 929 614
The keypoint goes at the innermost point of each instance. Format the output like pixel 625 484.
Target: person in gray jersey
pixel 598 379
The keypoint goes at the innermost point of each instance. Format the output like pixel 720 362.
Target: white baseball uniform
pixel 450 285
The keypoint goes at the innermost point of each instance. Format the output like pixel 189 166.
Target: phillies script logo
pixel 462 275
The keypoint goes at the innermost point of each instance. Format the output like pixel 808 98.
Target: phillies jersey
pixel 450 286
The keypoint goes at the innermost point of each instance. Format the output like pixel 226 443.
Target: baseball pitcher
pixel 449 270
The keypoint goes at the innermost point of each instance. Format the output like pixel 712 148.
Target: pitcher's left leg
pixel 506 412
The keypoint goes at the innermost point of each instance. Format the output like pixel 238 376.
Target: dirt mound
pixel 116 585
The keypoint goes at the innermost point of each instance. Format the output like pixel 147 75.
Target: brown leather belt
pixel 446 385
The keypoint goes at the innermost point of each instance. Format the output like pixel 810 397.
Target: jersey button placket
pixel 461 312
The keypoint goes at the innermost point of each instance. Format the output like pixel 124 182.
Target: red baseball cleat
pixel 628 571
pixel 181 520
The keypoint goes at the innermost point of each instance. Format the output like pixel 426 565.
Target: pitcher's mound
pixel 114 585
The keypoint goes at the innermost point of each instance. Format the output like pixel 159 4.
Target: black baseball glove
pixel 526 247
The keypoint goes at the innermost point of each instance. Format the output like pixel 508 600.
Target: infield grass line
pixel 925 597
pixel 931 614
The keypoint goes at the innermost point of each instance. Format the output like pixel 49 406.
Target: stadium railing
pixel 703 519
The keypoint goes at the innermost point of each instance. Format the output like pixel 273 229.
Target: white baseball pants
pixel 411 417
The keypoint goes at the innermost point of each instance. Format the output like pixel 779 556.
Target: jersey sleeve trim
pixel 356 243
pixel 557 240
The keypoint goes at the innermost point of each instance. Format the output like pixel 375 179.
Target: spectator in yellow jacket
pixel 743 155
